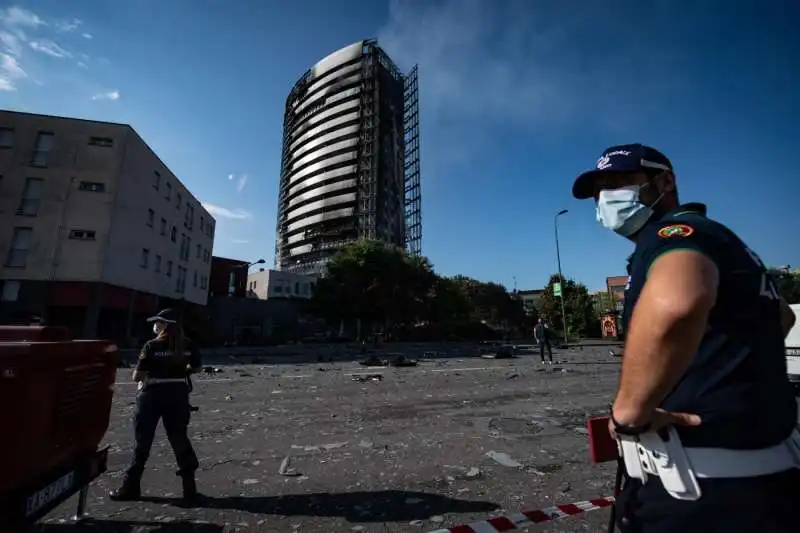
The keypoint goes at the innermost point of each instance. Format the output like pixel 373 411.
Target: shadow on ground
pixel 129 526
pixel 380 506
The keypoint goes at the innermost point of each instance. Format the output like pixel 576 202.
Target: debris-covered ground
pixel 338 446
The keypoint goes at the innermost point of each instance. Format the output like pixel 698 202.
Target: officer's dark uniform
pixel 737 384
pixel 543 335
pixel 167 401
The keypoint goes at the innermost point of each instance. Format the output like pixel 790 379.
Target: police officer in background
pixel 541 333
pixel 704 354
pixel 162 374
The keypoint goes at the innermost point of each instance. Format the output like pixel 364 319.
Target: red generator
pixel 55 406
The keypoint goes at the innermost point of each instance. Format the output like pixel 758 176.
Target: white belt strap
pixel 156 381
pixel 679 467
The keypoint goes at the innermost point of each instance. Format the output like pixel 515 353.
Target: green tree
pixel 374 285
pixel 578 305
pixel 788 285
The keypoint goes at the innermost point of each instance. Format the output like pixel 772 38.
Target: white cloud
pixel 217 211
pixel 241 182
pixel 10 72
pixel 240 241
pixel 50 48
pixel 82 64
pixel 524 64
pixel 87 36
pixel 17 16
pixel 67 26
pixel 110 95
pixel 11 43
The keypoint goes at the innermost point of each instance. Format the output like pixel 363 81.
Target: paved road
pixel 406 453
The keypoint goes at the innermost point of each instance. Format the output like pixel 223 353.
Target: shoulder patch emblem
pixel 141 355
pixel 675 230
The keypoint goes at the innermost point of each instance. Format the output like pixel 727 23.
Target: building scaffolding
pixel 411 166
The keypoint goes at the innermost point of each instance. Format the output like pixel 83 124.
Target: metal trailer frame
pixel 23 507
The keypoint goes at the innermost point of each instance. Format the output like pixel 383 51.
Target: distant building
pixel 228 277
pixel 267 284
pixel 530 299
pixel 616 285
pixel 95 231
pixel 350 159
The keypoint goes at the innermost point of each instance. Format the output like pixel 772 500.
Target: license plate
pixel 51 492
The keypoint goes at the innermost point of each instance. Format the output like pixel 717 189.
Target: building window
pixel 31 197
pixel 188 220
pixel 195 278
pixel 168 196
pixel 178 200
pixel 82 235
pixel 297 287
pixel 173 234
pixel 145 257
pixel 41 151
pixel 105 142
pixel 92 186
pixel 163 229
pixel 202 224
pixel 188 248
pixel 156 180
pixel 20 245
pixel 278 289
pixel 199 250
pixel 151 215
pixel 169 269
pixel 10 290
pixel 6 138
pixel 157 267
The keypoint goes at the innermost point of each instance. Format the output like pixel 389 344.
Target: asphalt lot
pixel 450 441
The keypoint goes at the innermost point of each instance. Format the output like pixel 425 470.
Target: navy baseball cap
pixel 619 159
pixel 165 315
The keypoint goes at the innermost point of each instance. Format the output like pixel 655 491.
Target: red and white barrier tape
pixel 527 518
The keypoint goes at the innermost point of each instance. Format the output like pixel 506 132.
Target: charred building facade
pixel 350 159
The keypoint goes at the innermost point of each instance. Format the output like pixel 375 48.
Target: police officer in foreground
pixel 163 394
pixel 704 355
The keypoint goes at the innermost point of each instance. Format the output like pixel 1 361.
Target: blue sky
pixel 517 97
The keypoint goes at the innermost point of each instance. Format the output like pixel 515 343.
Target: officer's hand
pixel 662 419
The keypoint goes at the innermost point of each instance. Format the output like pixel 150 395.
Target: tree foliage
pixel 380 287
pixel 788 285
pixel 578 305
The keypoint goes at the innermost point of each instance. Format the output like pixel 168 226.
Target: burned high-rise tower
pixel 350 161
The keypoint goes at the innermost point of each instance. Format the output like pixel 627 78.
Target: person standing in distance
pixel 541 333
pixel 704 353
pixel 163 394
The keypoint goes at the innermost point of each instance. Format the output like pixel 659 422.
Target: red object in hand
pixel 602 446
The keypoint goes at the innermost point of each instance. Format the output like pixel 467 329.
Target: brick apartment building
pixel 228 277
pixel 95 231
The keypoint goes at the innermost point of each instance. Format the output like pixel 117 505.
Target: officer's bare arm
pixel 666 329
pixel 788 317
pixel 139 375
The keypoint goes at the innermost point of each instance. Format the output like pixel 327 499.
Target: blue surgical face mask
pixel 622 211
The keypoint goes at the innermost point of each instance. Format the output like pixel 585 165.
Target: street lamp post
pixel 232 275
pixel 560 276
